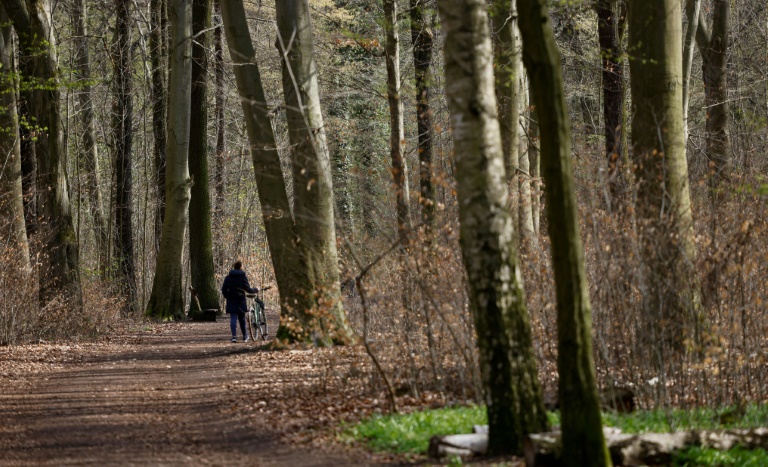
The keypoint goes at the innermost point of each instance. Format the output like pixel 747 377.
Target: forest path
pixel 157 396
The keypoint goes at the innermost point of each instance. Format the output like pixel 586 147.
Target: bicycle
pixel 256 316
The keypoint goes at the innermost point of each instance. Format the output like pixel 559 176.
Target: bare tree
pixel 158 50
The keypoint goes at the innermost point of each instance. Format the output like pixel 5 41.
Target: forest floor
pixel 181 393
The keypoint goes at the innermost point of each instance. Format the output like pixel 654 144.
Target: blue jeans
pixel 233 319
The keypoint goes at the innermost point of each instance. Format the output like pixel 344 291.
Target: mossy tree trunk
pixel 12 228
pixel 200 236
pixel 497 299
pixel 60 255
pixel 583 441
pixel 290 269
pixel 311 165
pixel 665 221
pixel 167 299
pixel 506 67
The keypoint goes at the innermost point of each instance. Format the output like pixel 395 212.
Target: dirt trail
pixel 153 397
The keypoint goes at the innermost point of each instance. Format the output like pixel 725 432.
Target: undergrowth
pixel 410 433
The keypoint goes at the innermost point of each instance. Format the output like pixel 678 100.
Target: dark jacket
pixel 231 289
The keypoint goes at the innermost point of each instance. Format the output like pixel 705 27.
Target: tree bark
pixel 60 258
pixel 611 19
pixel 200 236
pixel 167 300
pixel 535 164
pixel 220 97
pixel 313 188
pixel 158 52
pixel 583 442
pixel 89 146
pixel 713 46
pixel 422 38
pixel 508 367
pixel 12 227
pixel 396 128
pixel 291 271
pixel 665 221
pixel 525 213
pixel 122 128
pixel 506 52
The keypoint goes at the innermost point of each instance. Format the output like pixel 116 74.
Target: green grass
pixel 410 433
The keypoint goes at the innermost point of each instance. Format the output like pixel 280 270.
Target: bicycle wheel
pixel 251 318
pixel 262 323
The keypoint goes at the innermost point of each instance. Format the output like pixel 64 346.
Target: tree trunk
pixel 692 9
pixel 89 147
pixel 12 228
pixel 665 221
pixel 535 163
pixel 611 19
pixel 583 442
pixel 422 39
pixel 158 52
pixel 290 270
pixel 122 128
pixel 167 300
pixel 396 129
pixel 200 238
pixel 506 59
pixel 713 47
pixel 313 189
pixel 508 367
pixel 527 231
pixel 218 65
pixel 60 259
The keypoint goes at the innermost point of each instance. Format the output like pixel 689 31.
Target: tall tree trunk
pixel 122 128
pixel 525 213
pixel 167 300
pixel 583 441
pixel 423 41
pixel 535 165
pixel 497 299
pixel 158 52
pixel 663 206
pixel 713 46
pixel 692 9
pixel 611 18
pixel 12 228
pixel 220 97
pixel 312 186
pixel 60 261
pixel 291 271
pixel 89 147
pixel 200 238
pixel 396 128
pixel 507 69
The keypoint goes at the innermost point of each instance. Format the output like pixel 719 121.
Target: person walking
pixel 234 288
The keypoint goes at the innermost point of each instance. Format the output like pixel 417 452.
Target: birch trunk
pixel 396 129
pixel 167 300
pixel 311 164
pixel 12 228
pixel 200 237
pixel 583 441
pixel 507 364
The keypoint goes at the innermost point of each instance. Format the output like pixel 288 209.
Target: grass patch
pixel 410 433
